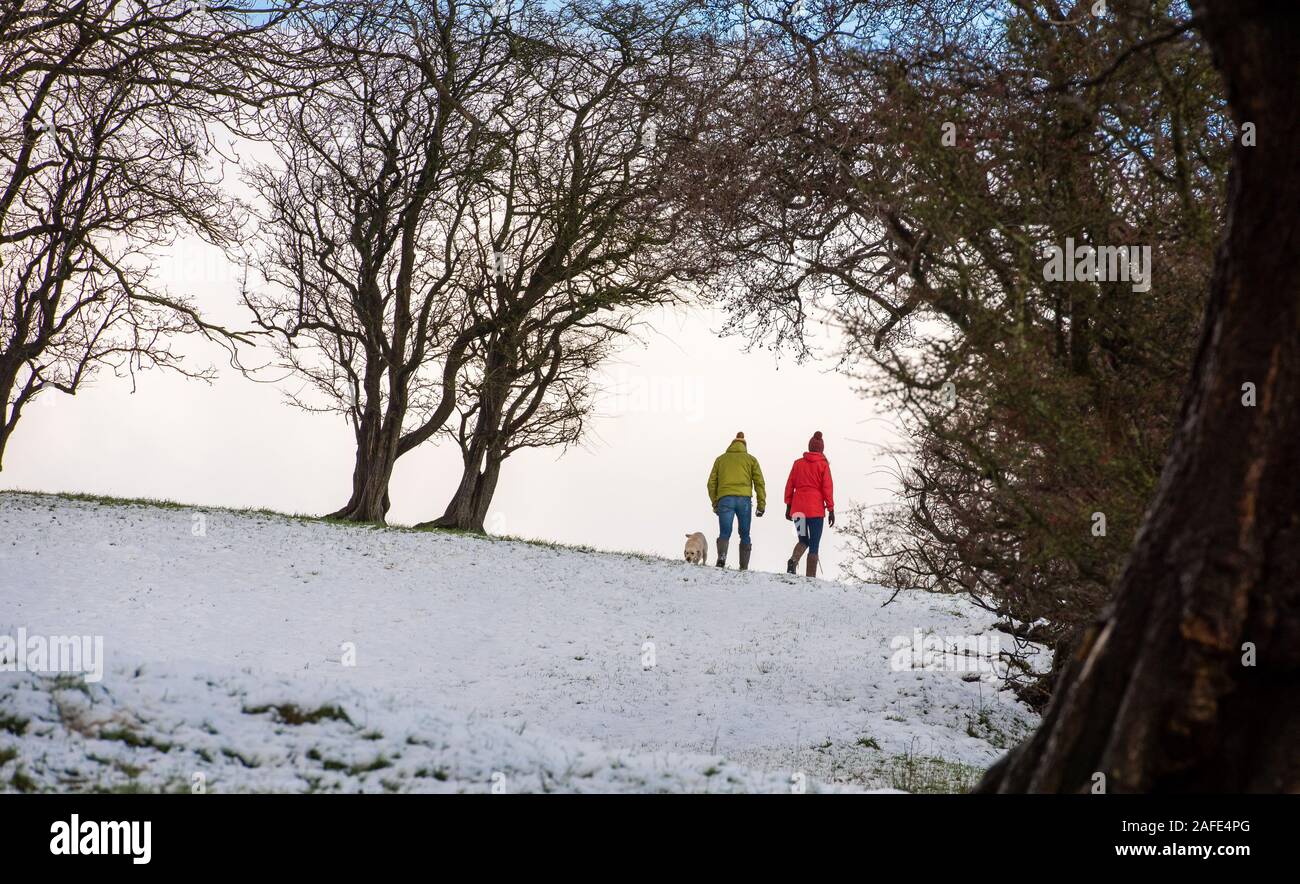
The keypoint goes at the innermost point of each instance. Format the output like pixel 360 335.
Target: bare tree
pixel 581 232
pixel 522 390
pixel 368 240
pixel 105 154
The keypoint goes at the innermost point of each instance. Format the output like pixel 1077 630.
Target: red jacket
pixel 809 486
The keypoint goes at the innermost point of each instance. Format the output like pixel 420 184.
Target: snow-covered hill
pixel 258 652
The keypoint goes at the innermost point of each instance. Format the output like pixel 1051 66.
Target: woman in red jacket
pixel 809 498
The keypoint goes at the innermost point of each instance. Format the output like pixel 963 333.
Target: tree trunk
pixel 370 477
pixel 11 405
pixel 377 439
pixel 459 514
pixel 485 489
pixel 468 507
pixel 1190 680
pixel 6 430
pixel 482 458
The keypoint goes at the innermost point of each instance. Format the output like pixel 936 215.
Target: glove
pixel 787 513
pixel 715 509
pixel 830 518
pixel 760 513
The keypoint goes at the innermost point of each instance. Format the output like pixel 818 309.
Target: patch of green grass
pixel 174 786
pixel 981 726
pixel 13 724
pixel 131 787
pixel 241 758
pixel 131 770
pixel 379 763
pixel 134 740
pixel 929 775
pixel 105 500
pixel 7 755
pixel 164 503
pixel 289 713
pixel 21 782
pixel 868 743
pixel 66 681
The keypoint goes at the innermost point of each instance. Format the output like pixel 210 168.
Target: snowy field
pixel 258 652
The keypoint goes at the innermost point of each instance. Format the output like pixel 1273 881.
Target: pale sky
pixel 674 402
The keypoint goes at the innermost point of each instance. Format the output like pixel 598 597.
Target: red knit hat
pixel 816 443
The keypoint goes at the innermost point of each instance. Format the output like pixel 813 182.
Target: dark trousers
pixel 810 532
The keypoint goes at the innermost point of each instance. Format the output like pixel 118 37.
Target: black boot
pixel 745 549
pixel 722 551
pixel 795 556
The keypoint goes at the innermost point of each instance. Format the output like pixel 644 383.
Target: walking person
pixel 734 474
pixel 809 500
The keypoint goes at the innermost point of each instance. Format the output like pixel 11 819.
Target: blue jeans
pixel 810 533
pixel 739 507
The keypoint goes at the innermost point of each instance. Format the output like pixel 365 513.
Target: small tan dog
pixel 697 548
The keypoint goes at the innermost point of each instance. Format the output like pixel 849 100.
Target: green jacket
pixel 734 472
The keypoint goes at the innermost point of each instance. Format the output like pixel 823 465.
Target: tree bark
pixel 378 434
pixel 376 456
pixel 1161 695
pixel 482 457
pixel 459 514
pixel 467 510
pixel 481 451
pixel 10 412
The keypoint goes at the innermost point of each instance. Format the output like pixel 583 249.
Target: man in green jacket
pixel 734 473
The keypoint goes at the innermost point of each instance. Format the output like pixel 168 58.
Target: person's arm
pixel 828 494
pixel 760 488
pixel 789 492
pixel 713 486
